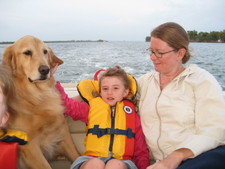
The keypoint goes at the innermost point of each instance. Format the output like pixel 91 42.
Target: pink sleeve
pixel 141 152
pixel 76 110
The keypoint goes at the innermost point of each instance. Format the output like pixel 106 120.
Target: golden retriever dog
pixel 37 107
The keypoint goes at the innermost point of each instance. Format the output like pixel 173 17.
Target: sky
pixel 112 20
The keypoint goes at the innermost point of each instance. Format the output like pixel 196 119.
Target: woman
pixel 182 108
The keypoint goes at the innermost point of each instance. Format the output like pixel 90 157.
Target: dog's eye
pixel 45 51
pixel 28 53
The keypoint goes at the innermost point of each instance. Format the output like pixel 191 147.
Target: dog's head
pixel 31 58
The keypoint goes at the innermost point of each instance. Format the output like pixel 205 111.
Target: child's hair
pixel 120 73
pixel 6 84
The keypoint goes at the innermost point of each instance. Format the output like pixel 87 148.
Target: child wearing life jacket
pixel 9 139
pixel 114 137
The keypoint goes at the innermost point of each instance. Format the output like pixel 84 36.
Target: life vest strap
pixel 11 139
pixel 101 132
pixel 10 136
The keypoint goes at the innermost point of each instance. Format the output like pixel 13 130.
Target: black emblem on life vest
pixel 128 109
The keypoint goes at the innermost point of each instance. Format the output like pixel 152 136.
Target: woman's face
pixel 169 59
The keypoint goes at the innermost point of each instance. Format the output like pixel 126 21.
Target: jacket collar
pixel 187 72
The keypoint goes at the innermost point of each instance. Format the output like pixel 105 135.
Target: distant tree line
pixel 195 36
pixel 63 41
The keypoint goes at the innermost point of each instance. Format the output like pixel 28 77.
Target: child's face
pixel 113 90
pixel 3 113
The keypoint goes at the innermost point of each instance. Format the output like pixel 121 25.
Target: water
pixel 82 59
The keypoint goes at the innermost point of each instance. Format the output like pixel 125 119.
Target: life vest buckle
pixel 108 131
pixel 101 132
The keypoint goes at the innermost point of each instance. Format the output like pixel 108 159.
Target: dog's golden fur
pixel 37 107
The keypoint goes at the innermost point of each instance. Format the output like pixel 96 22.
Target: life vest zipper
pixel 160 126
pixel 113 114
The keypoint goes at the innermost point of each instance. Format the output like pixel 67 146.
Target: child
pixel 6 91
pixel 114 135
pixel 9 139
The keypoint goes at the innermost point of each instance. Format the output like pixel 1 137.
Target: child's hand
pixel 53 70
pixel 4 119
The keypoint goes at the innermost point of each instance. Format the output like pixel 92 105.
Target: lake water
pixel 83 59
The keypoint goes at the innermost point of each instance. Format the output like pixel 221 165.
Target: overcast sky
pixel 113 20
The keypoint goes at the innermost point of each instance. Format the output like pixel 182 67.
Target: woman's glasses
pixel 159 54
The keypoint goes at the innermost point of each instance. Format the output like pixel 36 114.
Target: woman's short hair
pixel 175 36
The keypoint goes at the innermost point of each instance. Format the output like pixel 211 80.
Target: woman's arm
pixel 209 115
pixel 173 160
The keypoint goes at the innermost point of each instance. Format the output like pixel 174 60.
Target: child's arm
pixel 77 110
pixel 141 152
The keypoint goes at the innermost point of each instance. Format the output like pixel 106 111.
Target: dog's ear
pixel 8 58
pixel 53 60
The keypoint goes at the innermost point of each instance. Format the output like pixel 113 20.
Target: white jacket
pixel 188 113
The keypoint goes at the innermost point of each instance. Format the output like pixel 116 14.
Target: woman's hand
pixel 167 163
pixel 173 160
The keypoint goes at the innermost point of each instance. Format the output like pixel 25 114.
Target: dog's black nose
pixel 44 70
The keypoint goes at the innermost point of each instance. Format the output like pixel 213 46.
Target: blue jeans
pixel 212 159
